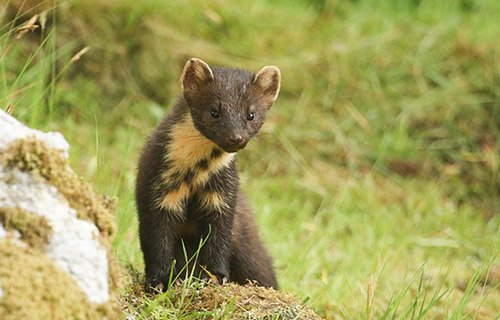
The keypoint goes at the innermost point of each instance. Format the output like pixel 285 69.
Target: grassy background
pixel 376 180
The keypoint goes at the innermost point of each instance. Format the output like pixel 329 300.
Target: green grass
pixel 376 179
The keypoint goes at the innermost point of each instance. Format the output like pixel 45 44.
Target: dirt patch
pixel 34 229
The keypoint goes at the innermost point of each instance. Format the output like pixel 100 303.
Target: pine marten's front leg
pixel 217 202
pixel 158 232
pixel 215 253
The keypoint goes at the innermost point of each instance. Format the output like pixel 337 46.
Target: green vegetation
pixel 376 180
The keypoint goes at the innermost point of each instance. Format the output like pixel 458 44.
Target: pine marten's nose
pixel 235 143
pixel 237 140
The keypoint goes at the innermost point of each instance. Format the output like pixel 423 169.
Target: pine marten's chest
pixel 191 160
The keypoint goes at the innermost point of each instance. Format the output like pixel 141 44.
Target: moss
pixel 34 229
pixel 207 301
pixel 34 156
pixel 33 286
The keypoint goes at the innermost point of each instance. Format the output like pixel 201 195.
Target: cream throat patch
pixel 192 159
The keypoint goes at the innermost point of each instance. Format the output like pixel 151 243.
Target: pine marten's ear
pixel 196 73
pixel 266 84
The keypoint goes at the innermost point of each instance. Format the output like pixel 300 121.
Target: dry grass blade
pixel 79 54
pixel 30 25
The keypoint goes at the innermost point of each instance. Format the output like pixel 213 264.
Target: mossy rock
pixel 55 246
pixel 36 157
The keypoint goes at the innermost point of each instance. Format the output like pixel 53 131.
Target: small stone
pixel 3 232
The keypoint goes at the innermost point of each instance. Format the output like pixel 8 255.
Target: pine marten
pixel 187 187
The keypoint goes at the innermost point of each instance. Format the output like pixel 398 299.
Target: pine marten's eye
pixel 251 116
pixel 214 113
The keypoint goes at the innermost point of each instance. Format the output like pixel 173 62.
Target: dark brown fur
pixel 187 187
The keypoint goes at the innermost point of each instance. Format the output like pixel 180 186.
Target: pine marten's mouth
pixel 234 147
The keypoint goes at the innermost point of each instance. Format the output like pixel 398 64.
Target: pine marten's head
pixel 228 106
